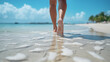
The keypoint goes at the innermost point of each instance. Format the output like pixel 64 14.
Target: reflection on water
pixel 56 49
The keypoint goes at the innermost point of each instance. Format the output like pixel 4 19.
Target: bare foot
pixel 60 27
pixel 55 29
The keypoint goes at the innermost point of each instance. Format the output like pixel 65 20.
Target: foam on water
pixel 18 56
pixel 95 55
pixel 98 48
pixel 38 32
pixel 52 55
pixel 67 43
pixel 80 59
pixel 77 38
pixel 107 44
pixel 99 42
pixel 43 33
pixel 40 37
pixel 77 43
pixel 36 50
pixel 74 43
pixel 12 43
pixel 47 40
pixel 37 44
pixel 23 46
pixel 67 52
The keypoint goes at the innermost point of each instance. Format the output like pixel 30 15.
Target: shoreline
pixel 99 27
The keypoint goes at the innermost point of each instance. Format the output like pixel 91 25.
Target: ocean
pixel 22 38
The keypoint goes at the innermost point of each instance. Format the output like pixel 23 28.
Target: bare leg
pixel 62 10
pixel 53 13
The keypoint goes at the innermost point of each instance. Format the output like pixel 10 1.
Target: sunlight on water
pixel 31 42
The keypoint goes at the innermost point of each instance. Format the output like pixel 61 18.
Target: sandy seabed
pixel 75 46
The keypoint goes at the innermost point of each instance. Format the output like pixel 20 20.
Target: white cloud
pixel 26 12
pixel 78 15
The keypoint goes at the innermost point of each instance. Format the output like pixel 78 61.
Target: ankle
pixel 61 19
pixel 55 26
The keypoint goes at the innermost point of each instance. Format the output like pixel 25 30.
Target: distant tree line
pixel 101 17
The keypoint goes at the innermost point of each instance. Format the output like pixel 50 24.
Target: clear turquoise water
pixel 14 35
pixel 34 27
pixel 32 30
pixel 24 27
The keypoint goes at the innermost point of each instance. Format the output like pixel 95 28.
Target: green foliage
pixel 91 18
pixel 108 19
pixel 99 17
pixel 102 14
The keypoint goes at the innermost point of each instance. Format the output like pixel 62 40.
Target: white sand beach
pixel 99 27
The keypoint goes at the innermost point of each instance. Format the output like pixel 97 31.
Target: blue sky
pixel 24 11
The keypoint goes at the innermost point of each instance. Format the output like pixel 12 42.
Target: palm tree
pixel 108 19
pixel 102 14
pixel 91 18
pixel 97 19
pixel 100 17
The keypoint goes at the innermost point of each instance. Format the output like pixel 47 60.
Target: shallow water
pixel 47 46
